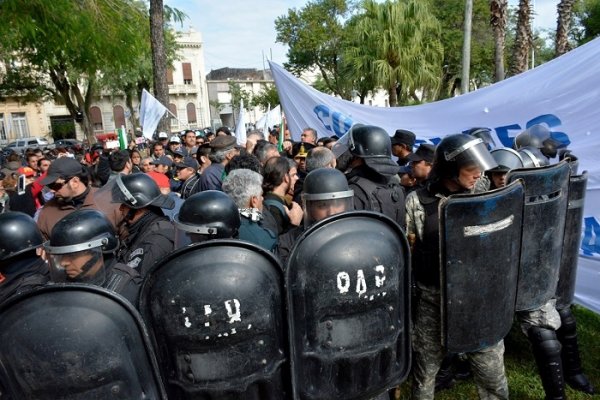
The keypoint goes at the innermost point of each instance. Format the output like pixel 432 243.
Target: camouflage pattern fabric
pixel 544 317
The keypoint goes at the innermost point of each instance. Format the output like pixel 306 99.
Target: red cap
pixel 26 171
pixel 161 179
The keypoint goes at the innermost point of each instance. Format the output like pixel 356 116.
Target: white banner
pixel 563 94
pixel 269 120
pixel 240 127
pixel 151 111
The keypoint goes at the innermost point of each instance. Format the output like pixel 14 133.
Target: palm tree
pixel 523 40
pixel 404 37
pixel 498 20
pixel 561 44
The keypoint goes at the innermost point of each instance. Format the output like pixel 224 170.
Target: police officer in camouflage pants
pixel 459 162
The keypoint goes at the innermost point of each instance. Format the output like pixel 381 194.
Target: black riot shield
pixel 565 290
pixel 75 342
pixel 216 314
pixel 347 282
pixel 480 237
pixel 546 195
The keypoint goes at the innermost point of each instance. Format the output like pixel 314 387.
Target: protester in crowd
pixel 146 164
pixel 264 151
pixel 150 234
pixel 158 150
pixel 223 150
pixel 163 165
pixel 320 157
pixel 251 139
pixel 189 143
pixel 188 175
pixel 136 160
pixel 68 180
pixel 245 188
pixel 280 178
pixel 22 199
pixel 174 145
pixel 202 156
pixel 421 162
pixel 309 135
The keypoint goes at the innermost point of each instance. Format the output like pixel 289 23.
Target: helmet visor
pixel 86 266
pixel 316 210
pixel 474 152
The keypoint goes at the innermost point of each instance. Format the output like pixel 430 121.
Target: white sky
pixel 236 33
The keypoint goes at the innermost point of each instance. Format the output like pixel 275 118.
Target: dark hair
pixel 203 150
pixel 244 161
pixel 40 160
pixel 261 149
pixel 275 169
pixel 118 160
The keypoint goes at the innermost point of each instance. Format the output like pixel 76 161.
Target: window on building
pixel 191 113
pixel 169 76
pixel 173 109
pixel 119 116
pixel 96 118
pixel 187 73
pixel 2 128
pixel 19 125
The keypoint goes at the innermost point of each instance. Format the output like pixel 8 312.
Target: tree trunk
pixel 159 58
pixel 523 40
pixel 498 20
pixel 561 44
pixel 466 48
pixel 393 96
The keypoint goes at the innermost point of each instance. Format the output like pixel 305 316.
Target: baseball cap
pixel 424 152
pixel 175 139
pixel 162 135
pixel 163 160
pixel 27 171
pixel 62 168
pixel 188 162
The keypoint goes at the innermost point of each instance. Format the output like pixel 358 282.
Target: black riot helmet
pixel 374 146
pixel 18 233
pixel 506 159
pixel 325 192
pixel 533 157
pixel 484 134
pixel 540 137
pixel 86 234
pixel 457 151
pixel 210 214
pixel 138 191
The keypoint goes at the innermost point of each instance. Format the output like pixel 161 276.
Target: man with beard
pixel 68 179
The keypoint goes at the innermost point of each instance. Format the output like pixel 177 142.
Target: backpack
pixel 387 199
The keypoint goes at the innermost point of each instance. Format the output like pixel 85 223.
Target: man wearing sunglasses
pixel 68 179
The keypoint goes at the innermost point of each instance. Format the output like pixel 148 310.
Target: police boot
pixel 567 335
pixel 546 350
pixel 462 367
pixel 445 376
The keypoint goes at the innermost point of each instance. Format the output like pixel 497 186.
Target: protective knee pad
pixel 544 340
pixel 568 324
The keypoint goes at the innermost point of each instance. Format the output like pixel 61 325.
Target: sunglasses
pixel 56 186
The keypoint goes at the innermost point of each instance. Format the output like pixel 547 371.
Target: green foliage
pixel 268 97
pixel 238 94
pixel 586 21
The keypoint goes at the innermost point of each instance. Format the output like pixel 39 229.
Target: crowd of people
pixel 105 217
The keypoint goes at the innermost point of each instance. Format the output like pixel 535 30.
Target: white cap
pixel 175 139
pixel 162 135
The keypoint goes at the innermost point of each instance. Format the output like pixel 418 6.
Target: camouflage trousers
pixel 545 316
pixel 487 365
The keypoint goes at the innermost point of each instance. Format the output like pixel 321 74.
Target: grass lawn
pixel 523 380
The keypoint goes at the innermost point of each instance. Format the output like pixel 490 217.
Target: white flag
pixel 151 111
pixel 266 124
pixel 240 128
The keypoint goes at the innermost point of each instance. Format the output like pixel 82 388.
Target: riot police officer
pixel 210 214
pixel 373 177
pixel 150 232
pixel 81 249
pixel 325 192
pixel 458 164
pixel 21 267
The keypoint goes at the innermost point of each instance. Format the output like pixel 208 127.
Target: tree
pixel 498 21
pixel 405 38
pixel 523 39
pixel 57 50
pixel 315 35
pixel 563 25
pixel 268 97
pixel 159 58
pixel 587 21
pixel 466 49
